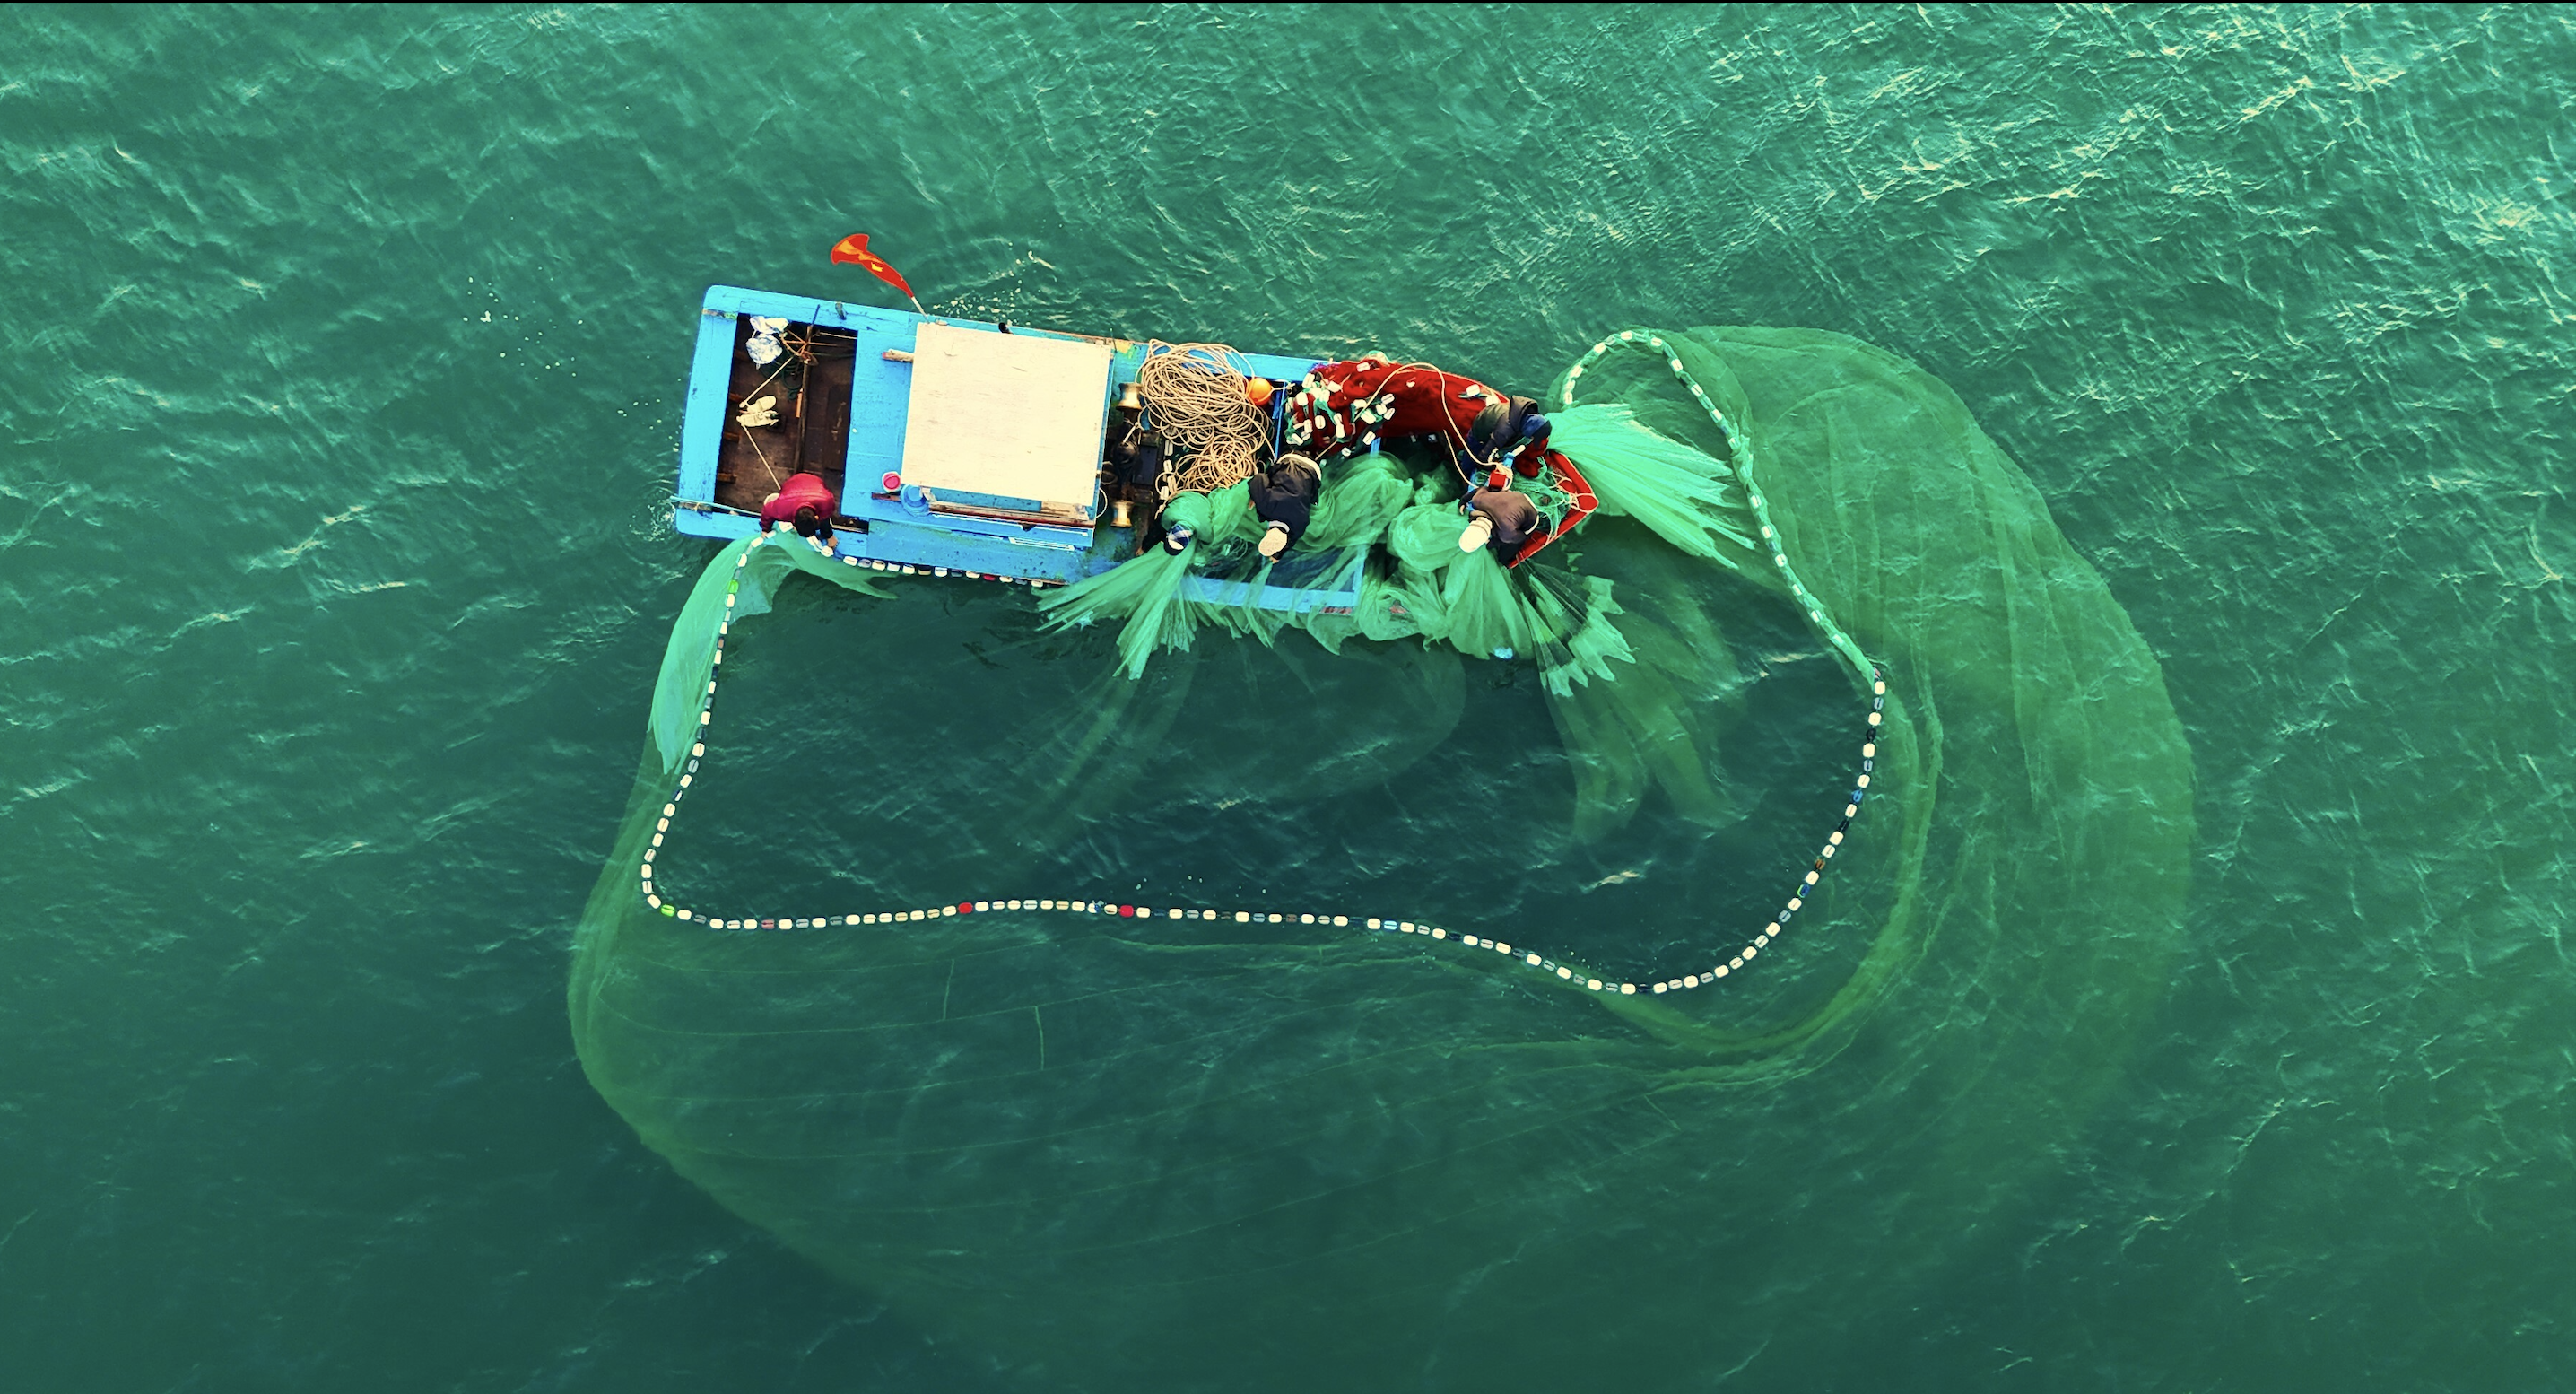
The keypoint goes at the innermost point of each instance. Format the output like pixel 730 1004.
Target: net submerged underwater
pixel 1101 1146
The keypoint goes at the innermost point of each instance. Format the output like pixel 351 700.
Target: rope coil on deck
pixel 1196 393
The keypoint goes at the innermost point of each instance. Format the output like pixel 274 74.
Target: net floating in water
pixel 738 559
pixel 1105 1152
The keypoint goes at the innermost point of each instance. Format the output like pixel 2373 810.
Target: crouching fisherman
pixel 1283 498
pixel 807 503
pixel 1508 434
pixel 1503 520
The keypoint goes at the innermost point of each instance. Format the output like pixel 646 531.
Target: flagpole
pixel 916 304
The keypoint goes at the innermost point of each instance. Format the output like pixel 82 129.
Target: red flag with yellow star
pixel 854 248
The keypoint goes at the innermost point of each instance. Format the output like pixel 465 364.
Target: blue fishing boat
pixel 955 447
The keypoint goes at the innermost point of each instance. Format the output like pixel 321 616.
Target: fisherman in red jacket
pixel 805 502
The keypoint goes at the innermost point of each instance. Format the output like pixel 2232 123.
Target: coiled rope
pixel 1196 395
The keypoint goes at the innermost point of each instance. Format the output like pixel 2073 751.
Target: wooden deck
pixel 812 384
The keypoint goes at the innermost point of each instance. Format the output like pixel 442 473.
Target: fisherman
pixel 805 502
pixel 1501 519
pixel 1177 535
pixel 1509 431
pixel 1283 498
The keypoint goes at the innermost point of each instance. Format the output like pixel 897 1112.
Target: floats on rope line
pixel 1734 963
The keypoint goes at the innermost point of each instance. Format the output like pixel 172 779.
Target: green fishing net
pixel 1245 1155
pixel 1360 498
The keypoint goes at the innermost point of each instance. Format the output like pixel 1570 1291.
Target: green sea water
pixel 344 361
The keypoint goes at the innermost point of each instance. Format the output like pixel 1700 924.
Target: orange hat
pixel 1257 391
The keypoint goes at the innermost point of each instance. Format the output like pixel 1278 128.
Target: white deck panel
pixel 1014 416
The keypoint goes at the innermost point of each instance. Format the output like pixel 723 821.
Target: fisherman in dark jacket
pixel 1511 433
pixel 1283 498
pixel 1501 519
